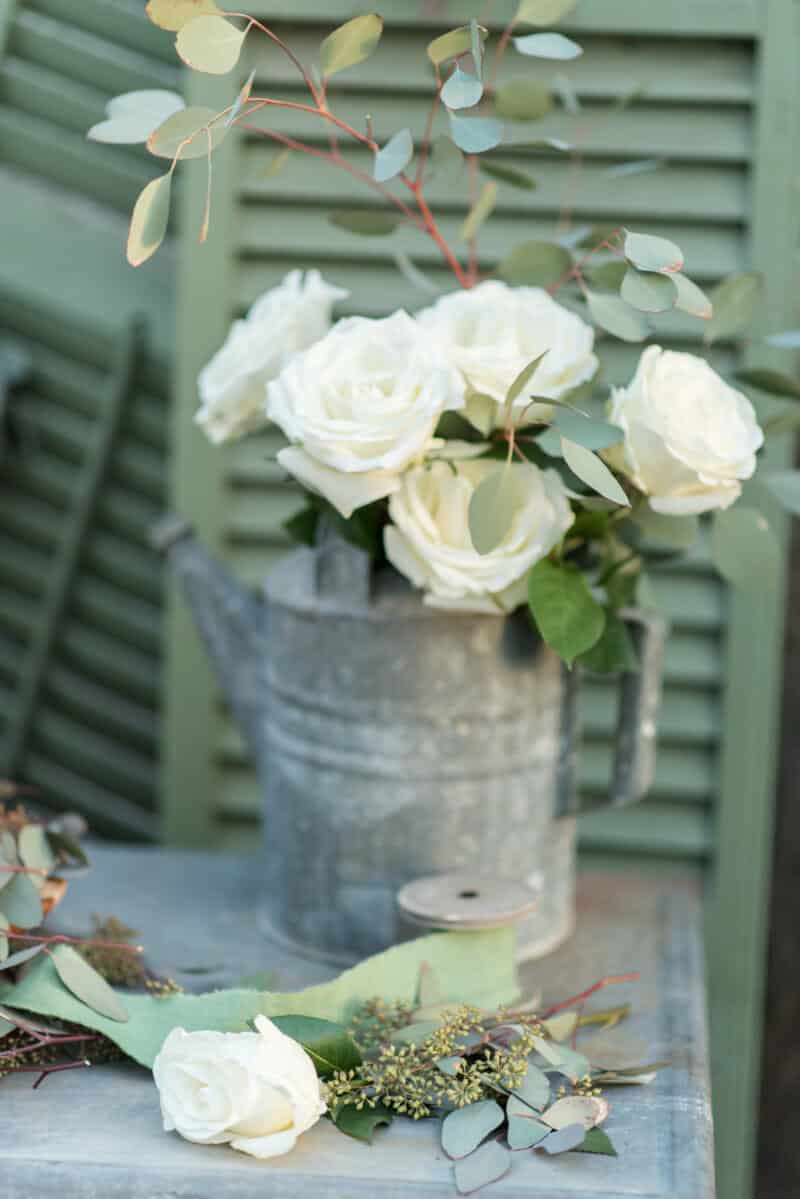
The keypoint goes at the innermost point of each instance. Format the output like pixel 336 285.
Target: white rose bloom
pixel 290 317
pixel 429 541
pixel 689 437
pixel 491 332
pixel 361 405
pixel 257 1091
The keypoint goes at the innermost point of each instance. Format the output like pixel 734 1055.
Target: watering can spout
pixel 229 617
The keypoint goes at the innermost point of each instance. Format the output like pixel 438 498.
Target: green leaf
pixel 608 274
pixel 639 166
pixel 410 271
pixel 522 100
pixel 190 124
pixel 367 223
pixel 350 44
pixel 535 263
pixel 34 852
pixel 597 1141
pixel 649 253
pixel 505 174
pixel 544 12
pixel 745 549
pixel 587 431
pixel 132 117
pixel 3 945
pixel 789 340
pixel 474 135
pixel 480 210
pixel 571 1136
pixel 450 45
pixel 592 471
pixel 548 45
pixel 362 1124
pixel 533 1091
pixel 149 220
pixel 67 850
pixel 465 1128
pixel 242 97
pixel 416 1033
pixel 648 292
pixel 691 299
pixel 521 381
pixel 450 1065
pixel 524 1130
pixel 567 615
pixel 774 382
pixel 615 316
pixel 734 302
pixel 20 903
pixel 489 1163
pixel 614 651
pixel 462 90
pixel 445 157
pixel 211 45
pixel 174 14
pixel 394 157
pixel 492 508
pixel 87 985
pixel 481 411
pixel 329 1045
pixel 785 486
pixel 571 1064
pixel 20 957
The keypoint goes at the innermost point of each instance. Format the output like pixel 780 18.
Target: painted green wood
pixel 739 898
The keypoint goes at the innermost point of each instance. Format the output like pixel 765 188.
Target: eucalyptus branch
pixel 273 37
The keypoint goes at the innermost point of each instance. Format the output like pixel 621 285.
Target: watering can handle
pixel 639 700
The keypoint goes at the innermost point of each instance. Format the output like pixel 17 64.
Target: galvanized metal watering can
pixel 395 740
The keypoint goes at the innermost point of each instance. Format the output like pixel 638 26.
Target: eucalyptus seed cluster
pixel 468 1057
pixel 119 967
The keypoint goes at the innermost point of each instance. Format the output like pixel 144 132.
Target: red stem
pixel 43 1041
pixel 273 37
pixel 598 986
pixel 60 939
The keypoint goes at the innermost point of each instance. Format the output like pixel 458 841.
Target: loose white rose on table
pixel 289 318
pixel 429 541
pixel 491 332
pixel 690 438
pixel 256 1091
pixel 361 406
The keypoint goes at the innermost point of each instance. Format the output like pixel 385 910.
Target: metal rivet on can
pixel 465 901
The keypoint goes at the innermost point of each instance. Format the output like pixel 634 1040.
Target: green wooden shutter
pixel 719 108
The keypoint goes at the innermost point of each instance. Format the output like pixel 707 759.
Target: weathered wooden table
pixel 96 1134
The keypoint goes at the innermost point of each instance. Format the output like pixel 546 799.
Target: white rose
pixel 429 541
pixel 361 405
pixel 689 437
pixel 491 332
pixel 257 1091
pixel 290 317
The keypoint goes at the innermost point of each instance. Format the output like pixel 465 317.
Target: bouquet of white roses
pixel 464 443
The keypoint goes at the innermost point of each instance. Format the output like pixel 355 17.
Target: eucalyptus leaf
pixel 189 127
pixel 785 486
pixel 20 957
pixel 455 42
pixel 481 412
pixel 520 382
pixel 350 44
pixel 4 926
pixel 544 12
pixel 174 14
pixel 414 275
pixel 522 100
pixel 548 45
pixel 462 90
pixel 394 157
pixel 586 1110
pixel 587 431
pixel 474 135
pixel 567 1061
pixel 745 549
pixel 648 292
pixel 691 299
pixel 535 264
pixel 614 652
pixel 492 508
pixel 416 1033
pixel 506 174
pixel 608 274
pixel 649 253
pixel 149 220
pixel 638 166
pixel 329 1045
pixel 734 302
pixel 479 212
pixel 35 853
pixel 241 99
pixel 445 157
pixel 362 1124
pixel 367 223
pixel 533 1091
pixel 789 340
pixel 524 1130
pixel 774 382
pixel 275 163
pixel 489 1163
pixel 132 117
pixel 596 1141
pixel 429 988
pixel 465 1128
pixel 566 613
pixel 567 95
pixel 87 985
pixel 210 45
pixel 564 1139
pixel 450 1065
pixel 615 316
pixel 592 471
pixel 20 903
